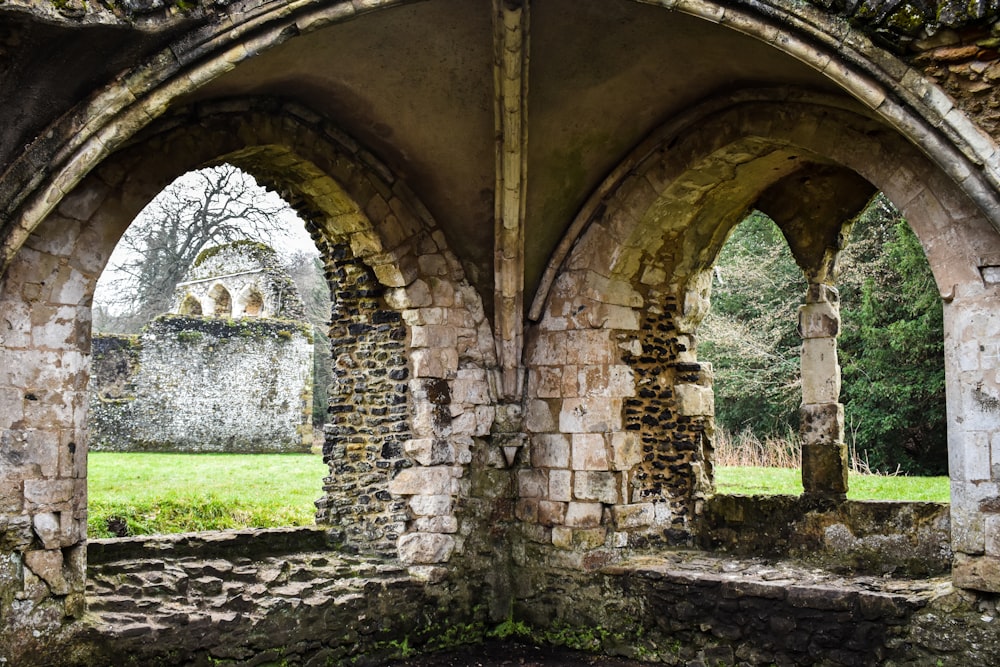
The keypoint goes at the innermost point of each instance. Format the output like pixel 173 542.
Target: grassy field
pixel 862 487
pixel 143 494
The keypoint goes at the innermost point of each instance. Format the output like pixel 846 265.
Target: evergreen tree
pixel 891 345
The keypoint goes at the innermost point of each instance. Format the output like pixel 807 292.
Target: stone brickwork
pixel 232 373
pixel 248 277
pixel 189 384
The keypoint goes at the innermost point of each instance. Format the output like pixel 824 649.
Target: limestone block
pixel 694 400
pixel 485 414
pixel 570 381
pixel 819 320
pixel 47 565
pixel 584 515
pixel 626 450
pixel 431 481
pixel 589 452
pixel 551 513
pixel 980 573
pixel 48 527
pixel 471 386
pixel 435 524
pixel 615 380
pixel 968 526
pixel 610 316
pixel 662 514
pixel 48 492
pixel 686 349
pixel 434 362
pixel 550 450
pixel 430 451
pixel 560 485
pixel 549 349
pixel 429 420
pixel 538 417
pixel 532 483
pixel 589 346
pixel 562 537
pixel 590 415
pixel 589 538
pixel 824 469
pixel 993 535
pixel 462 446
pixel 820 371
pixel 536 533
pixel 464 423
pixel 433 336
pixel 545 382
pixel 971 461
pixel 632 516
pixel 15 319
pixel 431 505
pixel 821 424
pixel 526 509
pixel 425 548
pixel 594 485
pixel 443 291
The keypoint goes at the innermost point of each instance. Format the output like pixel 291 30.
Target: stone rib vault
pixel 518 203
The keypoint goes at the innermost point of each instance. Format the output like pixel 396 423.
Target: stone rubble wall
pixel 188 384
pixel 903 539
pixel 283 596
pixel 687 608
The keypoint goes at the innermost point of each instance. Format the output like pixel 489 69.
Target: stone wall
pixel 281 596
pixel 907 539
pixel 189 384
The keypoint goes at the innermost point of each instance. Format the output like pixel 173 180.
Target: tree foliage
pixel 891 345
pixel 206 207
pixel 750 335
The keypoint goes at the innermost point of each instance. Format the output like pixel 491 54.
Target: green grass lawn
pixel 172 493
pixel 750 481
pixel 145 494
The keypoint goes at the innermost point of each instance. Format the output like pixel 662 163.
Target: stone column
pixel 824 454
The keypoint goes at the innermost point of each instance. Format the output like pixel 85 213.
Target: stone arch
pixel 360 217
pixel 220 300
pixel 250 302
pixel 630 295
pixel 898 94
pixel 190 306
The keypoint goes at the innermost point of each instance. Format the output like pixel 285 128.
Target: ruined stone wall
pixel 283 596
pixel 905 539
pixel 189 384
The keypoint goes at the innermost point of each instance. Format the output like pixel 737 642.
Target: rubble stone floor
pixel 508 654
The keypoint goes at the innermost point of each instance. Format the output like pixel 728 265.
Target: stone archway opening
pixel 888 347
pixel 209 411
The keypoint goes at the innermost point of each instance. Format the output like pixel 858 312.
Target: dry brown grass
pixel 746 450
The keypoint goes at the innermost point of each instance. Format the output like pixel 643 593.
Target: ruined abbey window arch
pixel 190 306
pixel 221 301
pixel 250 303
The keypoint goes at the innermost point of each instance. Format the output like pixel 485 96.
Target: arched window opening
pixel 191 306
pixel 223 401
pixel 251 303
pixel 222 301
pixel 889 347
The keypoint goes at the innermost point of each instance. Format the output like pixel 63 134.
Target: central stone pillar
pixel 824 454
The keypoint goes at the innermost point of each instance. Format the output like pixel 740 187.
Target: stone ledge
pixel 248 543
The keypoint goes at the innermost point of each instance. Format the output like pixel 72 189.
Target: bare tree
pixel 204 208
